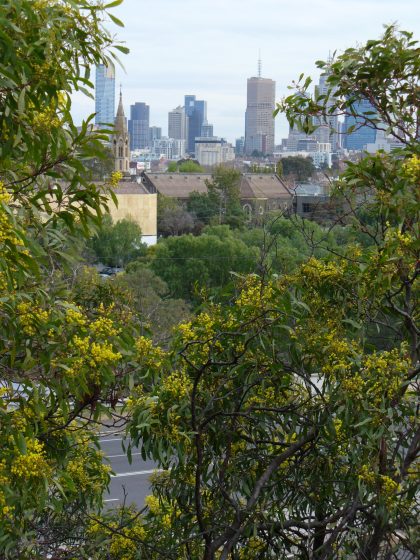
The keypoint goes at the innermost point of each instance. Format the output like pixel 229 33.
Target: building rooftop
pixel 181 185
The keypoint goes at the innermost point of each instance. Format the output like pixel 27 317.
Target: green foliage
pixel 301 168
pixel 172 218
pixel 282 427
pixel 117 244
pixel 188 264
pixel 185 166
pixel 148 295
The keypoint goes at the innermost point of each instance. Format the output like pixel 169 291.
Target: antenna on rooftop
pixel 259 63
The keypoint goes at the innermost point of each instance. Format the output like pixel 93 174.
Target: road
pixel 132 479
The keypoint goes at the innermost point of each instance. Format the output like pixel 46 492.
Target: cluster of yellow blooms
pixel 148 354
pixel 252 550
pixel 387 486
pixel 177 384
pixel 123 539
pixel 8 232
pixel 254 293
pixel 32 464
pixel 5 509
pixel 30 316
pixel 411 168
pixel 319 271
pixel 116 177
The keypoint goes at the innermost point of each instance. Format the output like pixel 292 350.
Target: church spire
pixel 121 140
pixel 120 111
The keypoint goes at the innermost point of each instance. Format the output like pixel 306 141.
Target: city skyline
pixel 162 67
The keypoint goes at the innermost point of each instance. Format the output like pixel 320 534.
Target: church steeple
pixel 121 141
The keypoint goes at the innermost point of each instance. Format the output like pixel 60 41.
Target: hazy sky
pixel 210 47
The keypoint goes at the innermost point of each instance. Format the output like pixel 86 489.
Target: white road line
pixel 106 440
pixel 136 473
pixel 123 455
pixel 112 500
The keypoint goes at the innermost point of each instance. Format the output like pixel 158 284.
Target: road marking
pixel 123 455
pixel 136 473
pixel 106 440
pixel 112 500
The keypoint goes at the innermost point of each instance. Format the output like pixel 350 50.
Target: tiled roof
pixel 181 185
pixel 130 187
pixel 263 186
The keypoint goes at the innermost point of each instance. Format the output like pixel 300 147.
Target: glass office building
pixel 105 94
pixel 196 115
pixel 362 134
pixel 138 126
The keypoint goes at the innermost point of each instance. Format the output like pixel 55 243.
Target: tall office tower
pixel 362 134
pixel 327 131
pixel 239 146
pixel 138 126
pixel 259 120
pixel 105 94
pixel 207 131
pixel 155 133
pixel 196 114
pixel 177 124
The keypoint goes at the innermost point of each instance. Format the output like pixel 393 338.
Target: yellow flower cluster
pixel 177 384
pixel 32 464
pixel 8 233
pixel 252 550
pixel 148 354
pixel 116 177
pixel 30 316
pixel 103 353
pixel 104 326
pixel 75 317
pixel 123 539
pixel 411 168
pixel 254 292
pixel 367 475
pixel 5 509
pixel 317 270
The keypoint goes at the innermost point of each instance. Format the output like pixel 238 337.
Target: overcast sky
pixel 210 47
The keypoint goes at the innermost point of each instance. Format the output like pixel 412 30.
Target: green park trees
pixel 117 244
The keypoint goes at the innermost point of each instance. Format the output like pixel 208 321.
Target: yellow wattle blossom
pixel 30 316
pixel 33 464
pixel 74 316
pixel 103 353
pixel 116 177
pixel 104 326
pixel 411 168
pixel 177 384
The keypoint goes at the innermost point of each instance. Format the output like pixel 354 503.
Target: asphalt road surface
pixel 133 480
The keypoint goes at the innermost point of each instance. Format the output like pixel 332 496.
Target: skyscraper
pixel 177 124
pixel 105 94
pixel 259 120
pixel 327 131
pixel 138 126
pixel 361 134
pixel 196 114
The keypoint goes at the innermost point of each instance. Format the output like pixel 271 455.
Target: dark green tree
pixel 117 244
pixel 298 167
